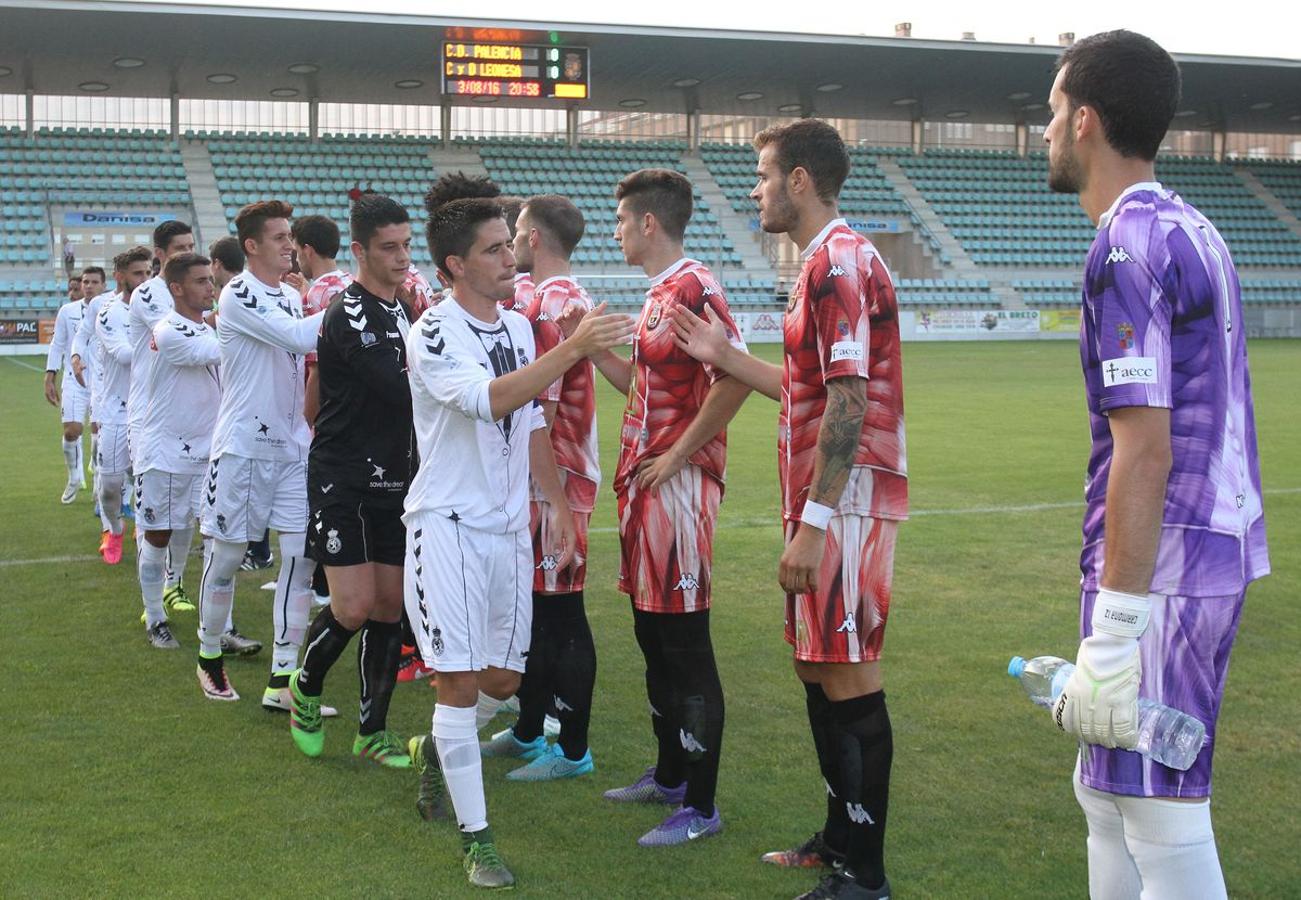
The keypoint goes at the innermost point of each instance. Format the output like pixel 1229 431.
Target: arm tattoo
pixel 838 435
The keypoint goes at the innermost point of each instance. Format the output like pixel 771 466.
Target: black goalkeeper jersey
pixel 364 448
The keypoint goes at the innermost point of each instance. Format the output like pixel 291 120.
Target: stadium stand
pixel 999 207
pixel 995 204
pixel 587 175
pixel 315 177
pixel 1282 178
pixel 944 292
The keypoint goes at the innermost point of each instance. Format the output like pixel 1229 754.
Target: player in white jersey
pixel 480 433
pixel 181 394
pixel 85 352
pixel 70 396
pixel 258 474
pixel 150 302
pixel 113 459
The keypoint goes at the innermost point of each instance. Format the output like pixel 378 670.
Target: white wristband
pixel 1124 615
pixel 816 514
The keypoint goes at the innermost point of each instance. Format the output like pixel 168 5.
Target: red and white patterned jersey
pixel 523 294
pixel 573 431
pixel 843 321
pixel 318 297
pixel 668 386
pixel 423 294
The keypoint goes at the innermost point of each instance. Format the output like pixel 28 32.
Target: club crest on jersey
pixel 367 339
pixel 332 543
pixel 1125 335
pixel 149 513
pixel 436 641
pixel 654 318
pixel 221 523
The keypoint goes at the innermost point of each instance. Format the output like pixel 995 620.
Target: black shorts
pixel 349 533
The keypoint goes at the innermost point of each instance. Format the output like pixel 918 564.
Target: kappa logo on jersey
pixel 858 815
pixel 836 271
pixel 687 582
pixel 332 543
pixel 689 742
pixel 1118 255
pixel 849 626
pixel 1129 370
pixel 1125 335
pixel 548 563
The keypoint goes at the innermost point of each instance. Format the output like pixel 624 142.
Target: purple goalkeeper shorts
pixel 1185 653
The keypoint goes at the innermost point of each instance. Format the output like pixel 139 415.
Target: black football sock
pixel 670 761
pixel 865 747
pixel 378 653
pixel 534 692
pixel 836 830
pixel 326 639
pixel 689 656
pixel 573 675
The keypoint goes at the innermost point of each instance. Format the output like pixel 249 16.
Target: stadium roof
pixel 55 46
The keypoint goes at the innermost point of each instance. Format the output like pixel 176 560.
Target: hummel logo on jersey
pixel 687 582
pixel 689 742
pixel 364 709
pixel 829 790
pixel 836 271
pixel 858 815
pixel 561 705
pixel 849 626
pixel 436 343
pixel 1118 255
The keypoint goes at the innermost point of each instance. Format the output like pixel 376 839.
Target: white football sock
pixel 1173 845
pixel 70 459
pixel 1112 872
pixel 81 464
pixel 457 741
pixel 217 593
pixel 110 502
pixel 151 582
pixel 484 712
pixel 293 602
pixel 178 552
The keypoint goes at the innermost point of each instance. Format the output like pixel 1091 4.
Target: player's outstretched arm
pixel 243 312
pixel 724 398
pixel 613 367
pixel 545 474
pixel 838 436
pixel 596 332
pixel 706 340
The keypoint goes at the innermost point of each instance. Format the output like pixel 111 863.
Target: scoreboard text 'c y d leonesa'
pixel 524 71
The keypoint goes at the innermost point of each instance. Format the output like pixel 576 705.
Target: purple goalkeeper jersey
pixel 1162 326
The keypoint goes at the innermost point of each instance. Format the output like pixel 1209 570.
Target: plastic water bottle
pixel 1166 735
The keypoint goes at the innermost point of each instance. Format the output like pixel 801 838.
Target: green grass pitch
pixel 120 780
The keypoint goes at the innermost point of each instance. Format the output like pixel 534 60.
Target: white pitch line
pixel 742 523
pixel 17 362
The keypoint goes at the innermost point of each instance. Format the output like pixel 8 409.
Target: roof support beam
pixel 919 136
pixel 314 119
pixel 29 114
pixel 1219 139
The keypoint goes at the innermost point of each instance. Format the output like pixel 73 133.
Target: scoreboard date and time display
pixel 514 70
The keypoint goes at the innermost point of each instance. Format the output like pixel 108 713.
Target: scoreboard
pixel 523 71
